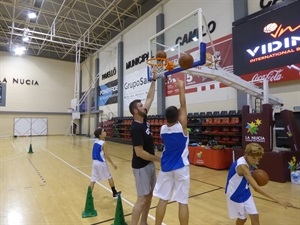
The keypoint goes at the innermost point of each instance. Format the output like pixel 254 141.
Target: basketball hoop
pixel 157 66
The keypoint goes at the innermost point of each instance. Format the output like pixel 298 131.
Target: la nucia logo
pixel 21 81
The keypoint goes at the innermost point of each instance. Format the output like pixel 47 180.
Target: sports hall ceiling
pixel 63 27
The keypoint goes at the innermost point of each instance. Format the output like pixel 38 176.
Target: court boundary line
pixel 191 196
pixel 109 219
pixel 16 155
pixel 253 194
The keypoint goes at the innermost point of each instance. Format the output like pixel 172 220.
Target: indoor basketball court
pixel 49 186
pixel 48 118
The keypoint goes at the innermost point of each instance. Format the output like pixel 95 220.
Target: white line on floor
pixel 73 167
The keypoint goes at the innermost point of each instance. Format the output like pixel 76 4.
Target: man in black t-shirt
pixel 141 136
pixel 143 157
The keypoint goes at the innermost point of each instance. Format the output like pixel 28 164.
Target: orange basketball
pixel 186 61
pixel 161 54
pixel 260 176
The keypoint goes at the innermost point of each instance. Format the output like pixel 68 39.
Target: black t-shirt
pixel 141 135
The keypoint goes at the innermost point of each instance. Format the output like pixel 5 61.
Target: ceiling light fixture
pixel 19 50
pixel 25 39
pixel 31 15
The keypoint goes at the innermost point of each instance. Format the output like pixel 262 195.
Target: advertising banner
pixel 108 93
pixel 276 75
pixel 136 86
pixel 198 83
pixel 266 41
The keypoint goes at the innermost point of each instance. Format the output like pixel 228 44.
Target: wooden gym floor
pixel 49 187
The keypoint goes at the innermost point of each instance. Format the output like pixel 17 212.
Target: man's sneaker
pixel 115 195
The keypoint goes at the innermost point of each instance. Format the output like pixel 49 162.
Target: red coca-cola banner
pixel 280 74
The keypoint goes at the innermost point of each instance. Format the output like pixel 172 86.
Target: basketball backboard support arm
pixel 234 81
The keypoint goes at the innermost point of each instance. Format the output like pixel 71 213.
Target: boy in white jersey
pixel 173 181
pixel 239 198
pixel 100 170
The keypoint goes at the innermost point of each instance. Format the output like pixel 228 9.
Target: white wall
pixel 108 63
pixel 55 83
pixel 136 44
pixel 88 124
pixel 48 93
pixel 289 92
pixel 254 5
pixel 220 11
pixel 88 72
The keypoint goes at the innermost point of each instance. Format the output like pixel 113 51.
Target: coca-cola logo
pixel 271 76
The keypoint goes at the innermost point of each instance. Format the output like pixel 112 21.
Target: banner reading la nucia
pixel 108 93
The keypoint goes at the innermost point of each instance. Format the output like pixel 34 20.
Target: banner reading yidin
pixel 266 41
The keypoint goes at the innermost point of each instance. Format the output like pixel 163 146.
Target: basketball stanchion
pixel 119 216
pixel 30 149
pixel 89 210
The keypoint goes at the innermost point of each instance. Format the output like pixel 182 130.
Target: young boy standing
pixel 173 182
pixel 100 170
pixel 239 198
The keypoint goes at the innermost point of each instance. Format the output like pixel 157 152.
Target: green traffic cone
pixel 119 216
pixel 89 210
pixel 30 149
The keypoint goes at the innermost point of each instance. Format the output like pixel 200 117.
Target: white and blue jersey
pixel 98 153
pixel 175 153
pixel 237 187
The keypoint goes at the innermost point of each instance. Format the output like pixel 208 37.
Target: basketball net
pixel 158 66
